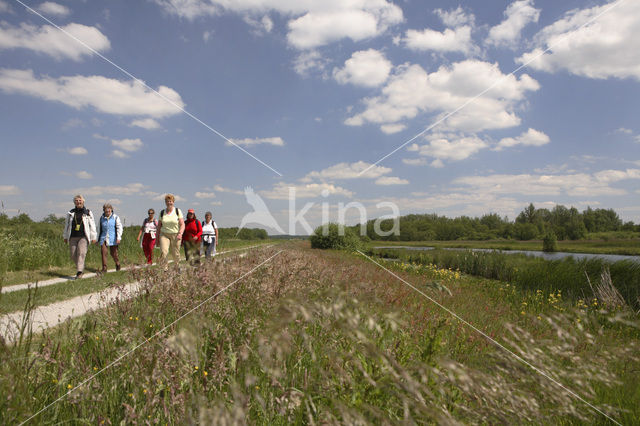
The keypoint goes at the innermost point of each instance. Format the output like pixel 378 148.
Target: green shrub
pixel 334 236
pixel 550 242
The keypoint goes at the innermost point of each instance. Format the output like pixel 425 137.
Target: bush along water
pixel 550 243
pixel 568 275
pixel 334 236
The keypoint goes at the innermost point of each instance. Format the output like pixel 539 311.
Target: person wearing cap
pixel 191 237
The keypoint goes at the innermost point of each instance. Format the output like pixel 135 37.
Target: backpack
pixel 177 212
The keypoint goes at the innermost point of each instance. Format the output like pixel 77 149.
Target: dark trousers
pixel 191 249
pixel 114 253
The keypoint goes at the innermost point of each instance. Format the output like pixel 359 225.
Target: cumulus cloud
pixel 414 161
pixel 78 150
pixel 348 171
pixel 55 9
pixel 129 145
pixel 280 191
pixel 4 7
pixel 276 141
pixel 411 91
pixel 455 17
pixel 391 180
pixel 309 61
pixel 576 184
pixel 390 129
pixel 146 123
pixel 53 42
pixel 531 137
pixel 597 42
pixel 106 95
pixel 368 68
pixel 119 154
pixel 450 40
pixel 9 190
pixel 202 195
pixel 449 147
pixel 221 188
pixel 310 23
pixel 517 16
pixel 84 175
pixel 99 190
pixel 260 26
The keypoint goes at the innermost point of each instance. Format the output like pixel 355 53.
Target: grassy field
pixel 630 246
pixel 328 337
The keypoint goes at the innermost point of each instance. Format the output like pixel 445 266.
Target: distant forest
pixel 530 224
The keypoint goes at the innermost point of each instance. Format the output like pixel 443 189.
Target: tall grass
pixel 308 338
pixel 532 273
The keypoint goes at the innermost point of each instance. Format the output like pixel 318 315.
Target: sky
pixel 454 108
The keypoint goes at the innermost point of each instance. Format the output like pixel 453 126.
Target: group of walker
pixel 169 231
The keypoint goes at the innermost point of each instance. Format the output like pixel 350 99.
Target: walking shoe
pixel 117 267
pixel 79 275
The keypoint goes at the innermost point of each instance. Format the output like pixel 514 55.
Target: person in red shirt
pixel 191 237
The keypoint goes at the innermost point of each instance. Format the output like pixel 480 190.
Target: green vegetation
pixel 550 243
pixel 569 276
pixel 325 337
pixel 531 223
pixel 334 236
pixel 26 245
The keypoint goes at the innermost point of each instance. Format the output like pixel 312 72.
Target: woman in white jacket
pixel 79 230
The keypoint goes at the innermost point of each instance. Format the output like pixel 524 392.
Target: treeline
pixel 24 220
pixel 532 223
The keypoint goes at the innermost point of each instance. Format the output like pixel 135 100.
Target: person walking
pixel 79 231
pixel 149 229
pixel 170 230
pixel 209 235
pixel 191 239
pixel 110 236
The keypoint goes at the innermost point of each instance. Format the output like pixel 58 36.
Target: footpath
pixel 51 315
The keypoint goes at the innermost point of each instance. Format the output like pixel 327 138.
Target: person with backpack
pixel 149 229
pixel 79 230
pixel 192 234
pixel 170 229
pixel 110 236
pixel 209 235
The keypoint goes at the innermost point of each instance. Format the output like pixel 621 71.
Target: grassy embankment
pixel 624 246
pixel 327 337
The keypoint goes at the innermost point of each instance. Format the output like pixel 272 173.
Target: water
pixel 548 256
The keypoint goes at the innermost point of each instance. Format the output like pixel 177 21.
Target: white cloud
pixel 146 123
pixel 84 175
pixel 348 171
pixel 607 46
pixel 53 42
pixel 221 188
pixel 260 26
pixel 577 184
pixel 414 161
pixel 455 17
pixel 391 180
pixel 449 147
pixel 55 9
pixel 104 94
pixel 517 15
pixel 119 154
pixel 78 150
pixel 206 36
pixel 276 141
pixel 368 68
pixel 280 191
pixel 531 137
pixel 72 123
pixel 205 195
pixel 96 191
pixel 450 40
pixel 99 136
pixel 624 130
pixel 9 190
pixel 309 61
pixel 129 145
pixel 390 129
pixel 411 91
pixel 311 23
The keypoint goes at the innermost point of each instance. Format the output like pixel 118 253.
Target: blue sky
pixel 320 91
